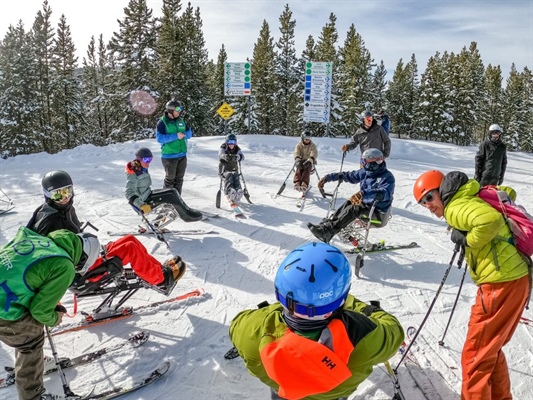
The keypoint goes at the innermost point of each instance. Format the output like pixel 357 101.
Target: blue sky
pixel 391 29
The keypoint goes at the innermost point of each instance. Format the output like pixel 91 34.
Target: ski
pixel 178 232
pixel 381 246
pixel 231 354
pixel 301 201
pixel 237 210
pixel 50 366
pixel 526 321
pixel 103 318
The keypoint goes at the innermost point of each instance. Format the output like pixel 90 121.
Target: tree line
pixel 50 101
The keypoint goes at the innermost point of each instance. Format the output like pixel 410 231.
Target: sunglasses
pixel 147 160
pixel 62 193
pixel 428 198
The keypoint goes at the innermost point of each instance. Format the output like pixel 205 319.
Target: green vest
pixel 176 146
pixel 16 258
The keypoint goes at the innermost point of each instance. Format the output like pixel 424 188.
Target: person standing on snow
pixel 305 157
pixel 229 156
pixel 370 135
pixel 496 267
pixel 384 120
pixel 172 133
pixel 58 212
pixel 377 186
pixel 491 158
pixel 36 272
pixel 318 341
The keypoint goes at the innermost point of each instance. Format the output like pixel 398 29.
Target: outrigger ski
pixel 301 200
pixel 381 246
pixel 185 232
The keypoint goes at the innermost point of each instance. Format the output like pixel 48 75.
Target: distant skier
pixel 140 194
pixel 384 120
pixel 491 158
pixel 318 341
pixel 369 135
pixel 172 133
pixel 305 158
pixel 230 155
pixel 36 272
pixel 57 212
pixel 376 184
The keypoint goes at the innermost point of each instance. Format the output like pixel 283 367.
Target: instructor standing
pixel 172 133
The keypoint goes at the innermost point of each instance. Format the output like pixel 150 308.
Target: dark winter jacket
pixel 229 158
pixel 375 185
pixel 491 162
pixel 51 216
pixel 373 137
pixel 385 123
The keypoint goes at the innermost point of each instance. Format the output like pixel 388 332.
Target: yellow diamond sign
pixel 225 111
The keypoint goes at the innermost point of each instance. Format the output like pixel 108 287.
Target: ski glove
pixel 307 162
pixel 379 195
pixel 344 148
pixel 370 308
pixel 145 209
pixel 356 199
pixel 321 183
pixel 459 237
pixel 299 164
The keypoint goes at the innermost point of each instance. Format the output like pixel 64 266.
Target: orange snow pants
pixel 131 251
pixel 494 318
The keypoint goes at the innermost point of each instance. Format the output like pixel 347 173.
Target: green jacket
pixel 37 272
pixel 489 255
pixel 376 339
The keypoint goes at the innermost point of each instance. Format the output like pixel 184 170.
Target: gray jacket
pixel 138 183
pixel 374 137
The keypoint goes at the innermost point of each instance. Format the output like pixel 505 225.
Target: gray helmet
pixel 366 114
pixel 306 135
pixel 372 155
pixel 143 152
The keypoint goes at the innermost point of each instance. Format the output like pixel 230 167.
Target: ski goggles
pixel 371 160
pixel 428 198
pixel 147 160
pixel 65 192
pixel 231 142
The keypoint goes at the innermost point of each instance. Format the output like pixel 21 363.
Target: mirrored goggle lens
pixel 428 198
pixel 62 193
pixel 371 160
pixel 231 142
pixel 147 160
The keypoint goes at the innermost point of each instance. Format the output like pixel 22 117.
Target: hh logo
pixel 328 363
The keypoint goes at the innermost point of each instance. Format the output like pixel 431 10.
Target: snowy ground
pixel 236 265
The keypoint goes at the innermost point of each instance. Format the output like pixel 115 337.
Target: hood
pixel 68 241
pixel 451 184
pixel 134 167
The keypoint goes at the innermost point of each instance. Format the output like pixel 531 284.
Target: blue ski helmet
pixel 231 139
pixel 313 280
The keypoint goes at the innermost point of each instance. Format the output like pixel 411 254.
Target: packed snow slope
pixel 236 264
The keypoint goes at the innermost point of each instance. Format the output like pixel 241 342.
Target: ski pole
pixel 455 251
pixel 219 193
pixel 282 188
pixel 459 265
pixel 246 194
pixel 150 226
pixel 66 389
pixel 322 192
pixel 334 195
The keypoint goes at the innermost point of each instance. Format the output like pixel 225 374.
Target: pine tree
pixel 67 112
pixel 133 49
pixel 517 106
pixel 379 86
pixel 493 102
pixel 43 36
pixel 18 102
pixel 353 82
pixel 288 76
pixel 263 83
pixel 216 88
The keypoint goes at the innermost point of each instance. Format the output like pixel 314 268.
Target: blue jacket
pixel 372 182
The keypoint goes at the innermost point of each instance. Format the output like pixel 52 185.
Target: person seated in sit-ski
pixel 230 155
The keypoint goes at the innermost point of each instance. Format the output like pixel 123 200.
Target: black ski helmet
pixel 306 135
pixel 172 105
pixel 55 180
pixel 231 138
pixel 143 152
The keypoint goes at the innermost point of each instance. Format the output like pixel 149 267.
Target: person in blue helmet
pixel 376 187
pixel 289 345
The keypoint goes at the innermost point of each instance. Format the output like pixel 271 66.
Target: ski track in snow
pixel 237 264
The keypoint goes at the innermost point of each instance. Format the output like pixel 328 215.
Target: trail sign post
pixel 317 92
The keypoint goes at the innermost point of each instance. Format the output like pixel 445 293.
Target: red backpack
pixel 516 216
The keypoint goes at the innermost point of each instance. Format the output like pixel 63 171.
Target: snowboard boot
pixel 321 232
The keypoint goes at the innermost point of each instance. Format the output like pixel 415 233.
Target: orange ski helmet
pixel 427 182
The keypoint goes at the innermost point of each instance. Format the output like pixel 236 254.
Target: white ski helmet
pixel 495 127
pixel 91 251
